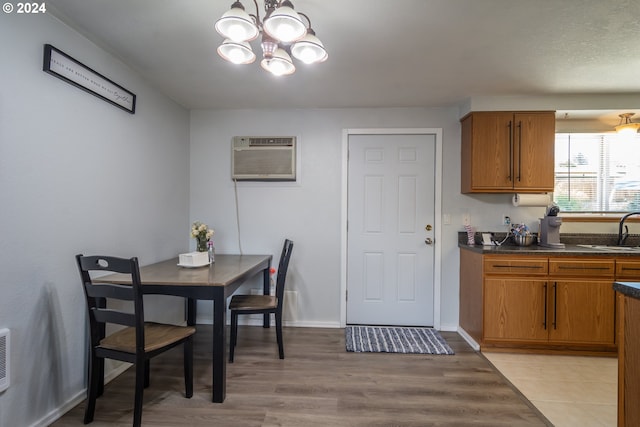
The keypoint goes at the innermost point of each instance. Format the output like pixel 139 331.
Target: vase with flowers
pixel 202 233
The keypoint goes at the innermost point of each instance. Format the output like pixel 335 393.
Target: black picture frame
pixel 59 64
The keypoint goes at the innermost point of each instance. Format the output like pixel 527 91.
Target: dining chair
pixel 262 304
pixel 137 342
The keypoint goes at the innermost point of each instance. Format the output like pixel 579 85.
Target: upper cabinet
pixel 506 152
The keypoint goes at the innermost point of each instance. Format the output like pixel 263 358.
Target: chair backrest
pixel 97 293
pixel 282 270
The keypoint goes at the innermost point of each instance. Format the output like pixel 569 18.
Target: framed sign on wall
pixel 59 64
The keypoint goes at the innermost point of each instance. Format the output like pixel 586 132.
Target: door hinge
pixel 346 295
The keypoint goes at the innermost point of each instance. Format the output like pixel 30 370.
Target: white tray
pixel 192 265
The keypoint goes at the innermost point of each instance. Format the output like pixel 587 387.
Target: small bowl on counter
pixel 526 240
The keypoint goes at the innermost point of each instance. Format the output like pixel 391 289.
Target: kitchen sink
pixel 612 248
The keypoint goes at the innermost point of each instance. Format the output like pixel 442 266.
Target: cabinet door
pixel 487 151
pixel 515 309
pixel 534 151
pixel 582 311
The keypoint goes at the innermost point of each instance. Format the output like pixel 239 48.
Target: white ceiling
pixel 401 53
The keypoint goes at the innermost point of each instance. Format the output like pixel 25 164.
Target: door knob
pixel 428 241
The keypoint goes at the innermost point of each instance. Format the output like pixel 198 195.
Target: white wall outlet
pixel 466 218
pixel 446 219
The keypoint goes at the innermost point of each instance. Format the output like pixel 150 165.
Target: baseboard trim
pixel 76 399
pixel 258 322
pixel 468 339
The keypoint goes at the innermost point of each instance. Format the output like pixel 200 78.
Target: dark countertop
pixel 572 246
pixel 630 289
pixel 534 249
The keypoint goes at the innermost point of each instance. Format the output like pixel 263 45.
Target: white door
pixel 390 214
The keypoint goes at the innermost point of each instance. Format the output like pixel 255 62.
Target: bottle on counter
pixel 211 250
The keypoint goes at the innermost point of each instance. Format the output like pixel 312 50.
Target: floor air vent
pixel 4 359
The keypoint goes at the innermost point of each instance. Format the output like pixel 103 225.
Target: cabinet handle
pixel 519 150
pixel 568 267
pixel 544 322
pixel 516 266
pixel 510 177
pixel 555 305
pixel 630 269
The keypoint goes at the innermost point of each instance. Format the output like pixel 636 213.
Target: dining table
pixel 214 282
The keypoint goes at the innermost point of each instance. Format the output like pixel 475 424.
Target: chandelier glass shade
pixel 626 125
pixel 237 25
pixel 283 32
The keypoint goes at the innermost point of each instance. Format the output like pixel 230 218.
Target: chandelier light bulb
pixel 236 52
pixel 237 32
pixel 279 64
pixel 309 49
pixel 285 24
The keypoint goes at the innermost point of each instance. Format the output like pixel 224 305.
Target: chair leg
pixel 147 369
pixel 188 367
pixel 92 389
pixel 234 335
pixel 141 367
pixel 100 367
pixel 279 334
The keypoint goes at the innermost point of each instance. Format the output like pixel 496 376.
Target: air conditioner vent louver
pixel 269 158
pixel 278 142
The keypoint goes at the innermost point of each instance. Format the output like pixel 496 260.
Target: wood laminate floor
pixel 319 384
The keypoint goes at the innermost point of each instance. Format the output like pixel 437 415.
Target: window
pixel 597 173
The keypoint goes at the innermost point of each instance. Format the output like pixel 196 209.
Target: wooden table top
pixel 225 270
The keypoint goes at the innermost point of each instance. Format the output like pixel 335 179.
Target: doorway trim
pixel 437 262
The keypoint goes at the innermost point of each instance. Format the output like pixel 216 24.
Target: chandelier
pixel 283 33
pixel 628 126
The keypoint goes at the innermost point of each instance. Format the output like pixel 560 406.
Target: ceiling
pixel 401 53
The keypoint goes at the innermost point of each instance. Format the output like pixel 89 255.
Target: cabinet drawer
pixel 579 267
pixel 519 266
pixel 628 269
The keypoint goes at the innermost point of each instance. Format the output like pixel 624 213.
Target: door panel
pixel 391 188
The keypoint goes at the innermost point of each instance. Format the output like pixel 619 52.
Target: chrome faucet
pixel 623 236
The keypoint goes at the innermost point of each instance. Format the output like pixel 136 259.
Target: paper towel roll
pixel 531 200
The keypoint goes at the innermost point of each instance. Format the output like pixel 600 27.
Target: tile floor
pixel 569 390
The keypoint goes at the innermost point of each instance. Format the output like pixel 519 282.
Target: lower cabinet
pixel 583 312
pixel 515 309
pixel 547 303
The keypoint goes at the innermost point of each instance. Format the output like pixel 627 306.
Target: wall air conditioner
pixel 271 158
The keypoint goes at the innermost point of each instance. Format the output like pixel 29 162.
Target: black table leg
pixel 191 311
pixel 219 380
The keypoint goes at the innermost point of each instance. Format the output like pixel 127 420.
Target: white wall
pixel 308 211
pixel 76 175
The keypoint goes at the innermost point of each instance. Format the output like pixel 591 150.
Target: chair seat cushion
pixel 253 302
pixel 156 335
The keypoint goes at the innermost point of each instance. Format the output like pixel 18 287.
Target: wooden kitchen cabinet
pixel 540 303
pixel 582 300
pixel 515 299
pixel 508 151
pixel 515 309
pixel 583 312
